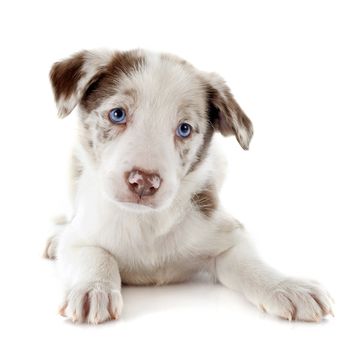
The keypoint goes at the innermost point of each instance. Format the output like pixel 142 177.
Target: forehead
pixel 154 80
pixel 166 79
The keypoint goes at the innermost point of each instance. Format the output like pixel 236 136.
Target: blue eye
pixel 184 130
pixel 117 116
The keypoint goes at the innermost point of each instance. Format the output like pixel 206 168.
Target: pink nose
pixel 143 183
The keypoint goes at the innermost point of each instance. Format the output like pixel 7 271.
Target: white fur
pixel 110 239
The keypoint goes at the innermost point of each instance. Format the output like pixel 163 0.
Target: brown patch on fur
pixel 65 75
pixel 203 151
pixel 227 116
pixel 104 84
pixel 219 115
pixel 206 201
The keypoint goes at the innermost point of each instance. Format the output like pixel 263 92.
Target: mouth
pixel 136 207
pixel 136 200
pixel 133 203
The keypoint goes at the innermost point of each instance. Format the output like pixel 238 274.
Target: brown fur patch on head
pixel 105 83
pixel 65 75
pixel 206 201
pixel 88 77
pixel 223 108
pixel 225 113
pixel 203 150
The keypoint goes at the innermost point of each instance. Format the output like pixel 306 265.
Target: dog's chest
pixel 147 256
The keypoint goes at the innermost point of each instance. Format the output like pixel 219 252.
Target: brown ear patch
pixel 105 83
pixel 227 116
pixel 65 76
pixel 206 201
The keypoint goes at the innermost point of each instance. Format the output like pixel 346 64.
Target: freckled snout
pixel 143 183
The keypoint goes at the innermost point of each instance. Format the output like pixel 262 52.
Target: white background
pixel 287 63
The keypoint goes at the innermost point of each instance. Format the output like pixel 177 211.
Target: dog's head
pixel 146 120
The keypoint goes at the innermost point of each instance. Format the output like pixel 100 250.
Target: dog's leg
pixel 241 269
pixel 92 284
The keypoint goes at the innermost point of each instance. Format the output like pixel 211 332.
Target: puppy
pixel 146 174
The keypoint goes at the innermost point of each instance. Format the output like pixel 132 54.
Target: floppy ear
pixel 224 112
pixel 71 77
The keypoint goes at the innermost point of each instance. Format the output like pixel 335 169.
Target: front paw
pixel 294 299
pixel 94 303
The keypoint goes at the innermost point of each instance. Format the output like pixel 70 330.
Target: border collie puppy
pixel 146 176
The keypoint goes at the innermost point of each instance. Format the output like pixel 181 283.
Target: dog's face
pixel 146 120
